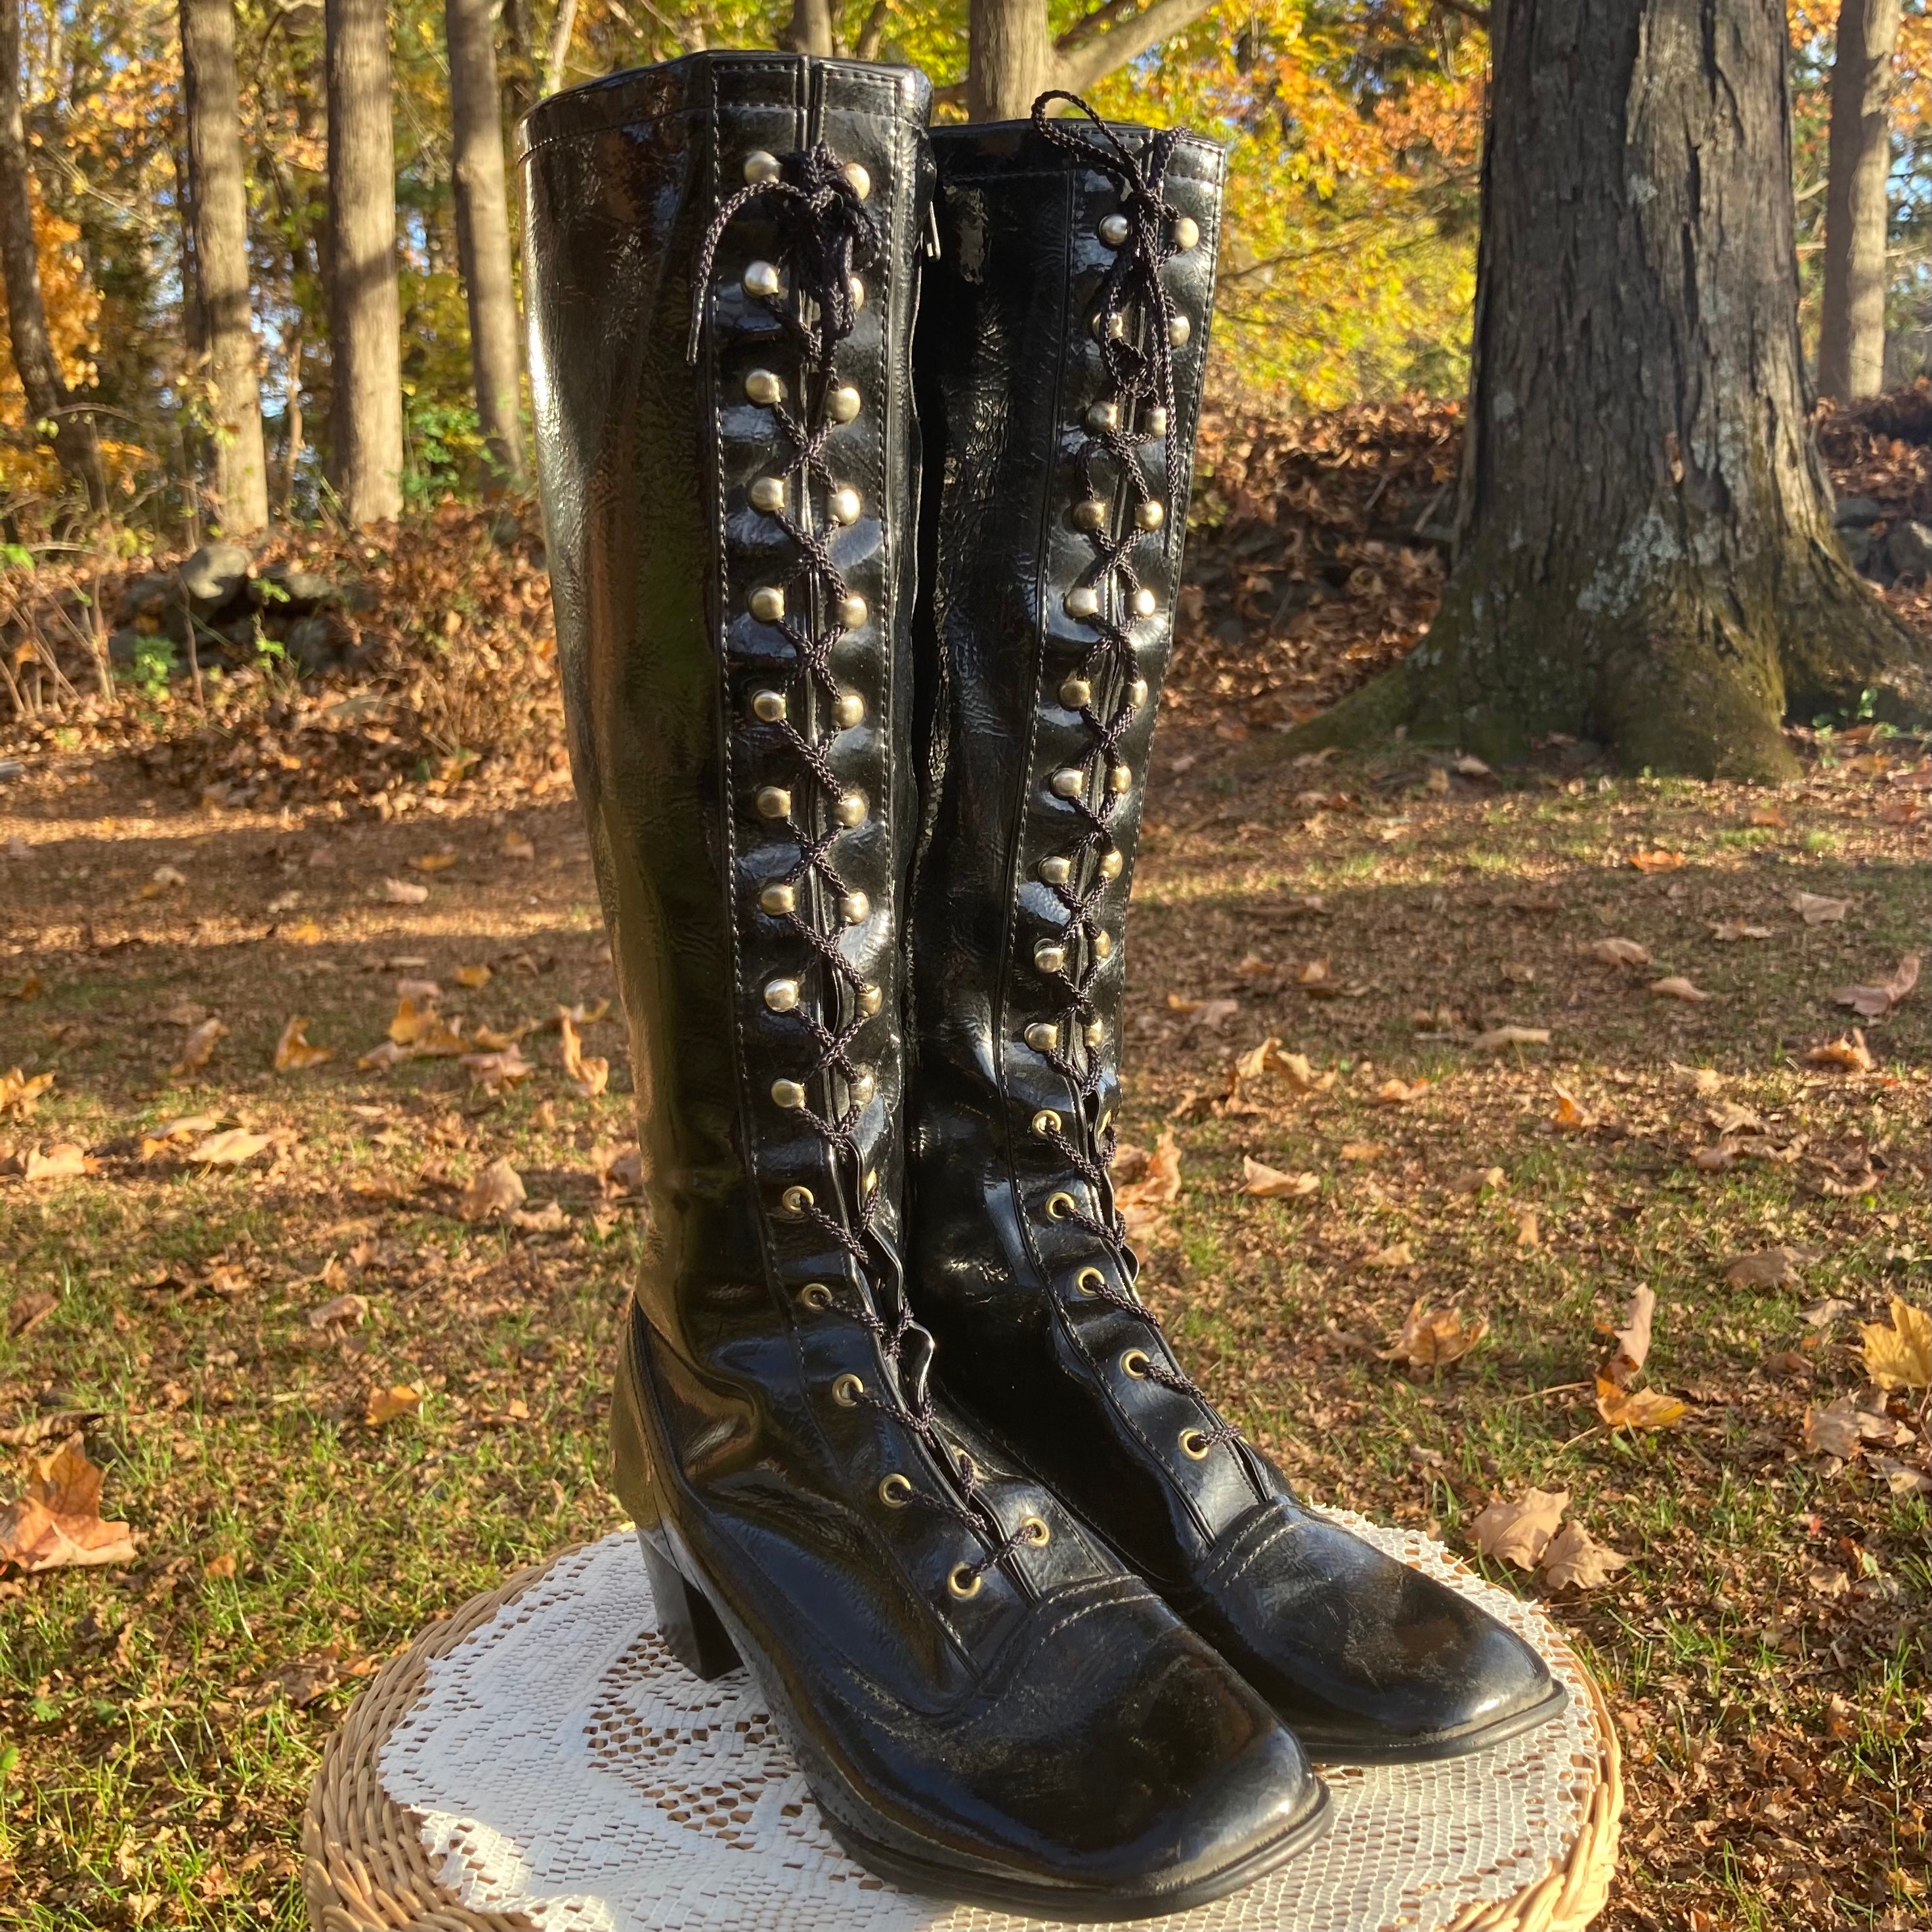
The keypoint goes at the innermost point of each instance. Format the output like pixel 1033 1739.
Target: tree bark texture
pixel 483 232
pixel 76 446
pixel 1645 555
pixel 1014 59
pixel 220 219
pixel 811 30
pixel 1851 337
pixel 365 313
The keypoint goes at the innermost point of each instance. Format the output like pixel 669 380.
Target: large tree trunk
pixel 1645 553
pixel 1013 58
pixel 221 205
pixel 811 30
pixel 76 446
pixel 1851 337
pixel 365 314
pixel 483 231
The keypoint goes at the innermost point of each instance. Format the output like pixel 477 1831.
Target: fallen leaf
pixel 1656 861
pixel 222 1565
pixel 1718 1158
pixel 1398 1093
pixel 1519 1532
pixel 1397 1255
pixel 1827 1579
pixel 341 1311
pixel 1571 1117
pixel 63 1161
pixel 411 1019
pixel 495 1039
pixel 1499 1037
pixel 1528 1230
pixel 1728 929
pixel 1901 1478
pixel 56 1523
pixel 1575 1560
pixel 1842 1427
pixel 400 892
pixel 1676 987
pixel 498 1070
pixel 497 1189
pixel 1632 1339
pixel 545 1220
pixel 588 1075
pixel 1432 1338
pixel 165 879
pixel 1478 1180
pixel 198 1045
pixel 1204 1015
pixel 29 1310
pixel 1873 1002
pixel 1620 952
pixel 304 932
pixel 1824 1314
pixel 1769 1267
pixel 1271 1184
pixel 31 988
pixel 516 846
pixel 1898 1354
pixel 381 1058
pixel 1361 1151
pixel 1160 1185
pixel 1815 909
pixel 1732 1116
pixel 18 1093
pixel 389 1404
pixel 1638 1408
pixel 1467 765
pixel 294 1051
pixel 434 862
pixel 473 976
pixel 228 1149
pixel 418 993
pixel 1848 1051
pixel 624 1170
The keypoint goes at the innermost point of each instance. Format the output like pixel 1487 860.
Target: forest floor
pixel 337 1386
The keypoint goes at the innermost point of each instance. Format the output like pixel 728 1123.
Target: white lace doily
pixel 561 1765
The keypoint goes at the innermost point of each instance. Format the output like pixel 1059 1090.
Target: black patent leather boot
pixel 723 257
pixel 1059 358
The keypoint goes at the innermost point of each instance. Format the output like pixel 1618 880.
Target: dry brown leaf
pixel 56 1523
pixel 516 846
pixel 29 1310
pixel 1528 1230
pixel 1902 1479
pixel 1632 1339
pixel 1769 1267
pixel 1361 1151
pixel 389 1404
pixel 63 1161
pixel 1497 1038
pixel 1718 1158
pixel 494 1040
pixel 165 879
pixel 1732 1116
pixel 1160 1185
pixel 1841 1428
pixel 1398 1093
pixel 1898 1353
pixel 18 1093
pixel 199 1044
pixel 229 1148
pixel 416 993
pixel 1432 1338
pixel 545 1220
pixel 1271 1184
pixel 473 976
pixel 1676 987
pixel 1638 1408
pixel 1396 1254
pixel 1620 952
pixel 1519 1532
pixel 496 1071
pixel 1656 861
pixel 32 987
pixel 380 1059
pixel 588 1074
pixel 400 892
pixel 1467 765
pixel 434 862
pixel 1849 1052
pixel 1571 1116
pixel 294 1051
pixel 496 1190
pixel 1726 930
pixel 304 932
pixel 1874 1002
pixel 624 1169
pixel 1816 909
pixel 343 1311
pixel 1575 1560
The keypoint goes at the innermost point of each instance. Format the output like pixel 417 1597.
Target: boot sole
pixel 1432 1750
pixel 709 1643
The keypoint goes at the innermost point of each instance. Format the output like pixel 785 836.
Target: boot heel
pixel 686 1621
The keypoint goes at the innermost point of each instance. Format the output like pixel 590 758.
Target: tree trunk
pixel 365 314
pixel 483 232
pixel 76 446
pixel 1645 554
pixel 561 28
pixel 1013 59
pixel 810 30
pixel 1851 339
pixel 520 70
pixel 220 204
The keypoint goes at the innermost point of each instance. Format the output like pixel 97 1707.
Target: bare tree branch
pixel 1480 15
pixel 1084 29
pixel 1095 59
pixel 866 46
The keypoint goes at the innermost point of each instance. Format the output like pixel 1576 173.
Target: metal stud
pixel 1144 602
pixel 1104 416
pixel 781 995
pixel 1096 1034
pixel 1056 871
pixel 764 389
pixel 1155 423
pixel 1194 1444
pixel 760 166
pixel 769 706
pixel 1112 865
pixel 1103 945
pixel 862 182
pixel 862 1087
pixel 1046 1122
pixel 1076 694
pixel 1186 231
pixel 1137 691
pixel 852 611
pixel 787 1094
pixel 1049 957
pixel 1178 331
pixel 1059 1206
pixel 843 505
pixel 1090 513
pixel 1068 782
pixel 842 405
pixel 1115 230
pixel 761 281
pixel 847 1391
pixel 895 1491
pixel 1035 1531
pixel 815 1296
pixel 854 908
pixel 1119 778
pixel 870 998
pixel 1043 1037
pixel 1090 1281
pixel 850 811
pixel 777 901
pixel 1150 515
pixel 1114 327
pixel 774 801
pixel 858 291
pixel 768 494
pixel 963 1581
pixel 768 603
pixel 849 710
pixel 1083 600
pixel 796 1200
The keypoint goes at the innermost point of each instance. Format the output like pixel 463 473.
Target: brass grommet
pixel 1090 1281
pixel 1034 1529
pixel 847 1391
pixel 1194 1444
pixel 964 1582
pixel 796 1200
pixel 895 1491
pixel 1046 1122
pixel 815 1296
pixel 1059 1206
pixel 1135 1362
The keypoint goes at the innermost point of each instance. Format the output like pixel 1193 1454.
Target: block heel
pixel 686 1621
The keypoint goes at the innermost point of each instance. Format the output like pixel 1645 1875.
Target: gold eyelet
pixel 1135 1362
pixel 796 1200
pixel 895 1491
pixel 964 1583
pixel 1046 1122
pixel 1036 1532
pixel 1090 1281
pixel 1196 1444
pixel 1059 1206
pixel 815 1296
pixel 847 1391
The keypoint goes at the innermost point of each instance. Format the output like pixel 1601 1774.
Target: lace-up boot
pixel 1059 360
pixel 723 255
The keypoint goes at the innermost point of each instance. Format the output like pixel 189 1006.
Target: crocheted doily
pixel 540 1761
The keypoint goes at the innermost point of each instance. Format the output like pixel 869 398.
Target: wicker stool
pixel 539 1760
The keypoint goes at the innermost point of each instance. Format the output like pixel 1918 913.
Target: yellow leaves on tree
pixel 73 304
